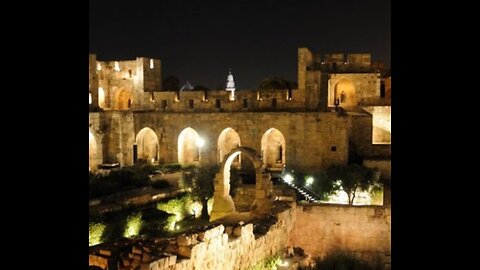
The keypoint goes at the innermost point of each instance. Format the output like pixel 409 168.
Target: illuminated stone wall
pixel 362 230
pixel 131 81
pixel 117 135
pixel 366 88
pixel 308 136
pixel 231 247
pixel 382 124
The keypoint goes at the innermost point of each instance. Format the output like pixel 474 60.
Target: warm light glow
pixel 200 142
pixel 101 97
pixel 309 181
pixel 117 66
pixel 95 233
pixel 99 66
pixel 196 209
pixel 288 178
pixel 89 98
pixel 90 136
pixel 151 63
pixel 188 150
pixel 283 263
pixel 177 227
pixel 134 223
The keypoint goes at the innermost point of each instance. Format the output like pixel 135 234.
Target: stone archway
pixel 273 149
pixel 227 140
pixel 123 99
pixel 147 145
pixel 345 93
pixel 222 201
pixel 189 151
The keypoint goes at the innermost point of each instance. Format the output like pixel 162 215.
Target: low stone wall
pixel 362 230
pixel 221 247
pixel 233 247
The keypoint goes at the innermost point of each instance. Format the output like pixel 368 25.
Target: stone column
pixel 222 201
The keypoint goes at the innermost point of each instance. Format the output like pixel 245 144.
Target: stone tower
pixel 230 86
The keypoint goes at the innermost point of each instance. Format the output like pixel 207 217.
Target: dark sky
pixel 200 40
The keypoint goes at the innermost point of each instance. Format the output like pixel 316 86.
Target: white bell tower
pixel 230 86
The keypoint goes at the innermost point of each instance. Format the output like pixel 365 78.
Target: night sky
pixel 200 40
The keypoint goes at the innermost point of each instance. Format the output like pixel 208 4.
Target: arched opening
pixel 189 147
pixel 242 184
pixel 147 146
pixel 227 141
pixel 94 157
pixel 223 203
pixel 123 100
pixel 344 93
pixel 101 97
pixel 273 149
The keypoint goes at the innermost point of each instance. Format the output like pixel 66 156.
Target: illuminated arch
pixel 273 149
pixel 123 99
pixel 222 201
pixel 227 140
pixel 147 145
pixel 94 151
pixel 101 97
pixel 188 150
pixel 345 92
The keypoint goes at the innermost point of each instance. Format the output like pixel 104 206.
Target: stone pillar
pixel 222 201
pixel 263 192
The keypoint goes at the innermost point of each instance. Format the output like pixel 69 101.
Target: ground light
pixel 309 181
pixel 288 178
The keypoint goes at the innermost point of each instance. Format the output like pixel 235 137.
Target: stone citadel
pixel 339 111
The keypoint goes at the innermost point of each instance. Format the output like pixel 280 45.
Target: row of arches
pixel 190 146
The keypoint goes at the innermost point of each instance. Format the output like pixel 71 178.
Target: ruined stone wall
pixel 233 247
pixel 309 137
pixel 363 230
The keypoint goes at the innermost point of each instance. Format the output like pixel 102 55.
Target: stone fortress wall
pixel 126 97
pixel 318 229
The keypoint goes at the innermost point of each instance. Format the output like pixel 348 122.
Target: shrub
pixel 133 226
pixel 95 233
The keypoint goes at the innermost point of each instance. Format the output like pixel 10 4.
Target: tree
pixel 171 83
pixel 200 180
pixel 353 177
pixel 276 82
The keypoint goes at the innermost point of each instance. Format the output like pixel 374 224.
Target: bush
pixel 95 233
